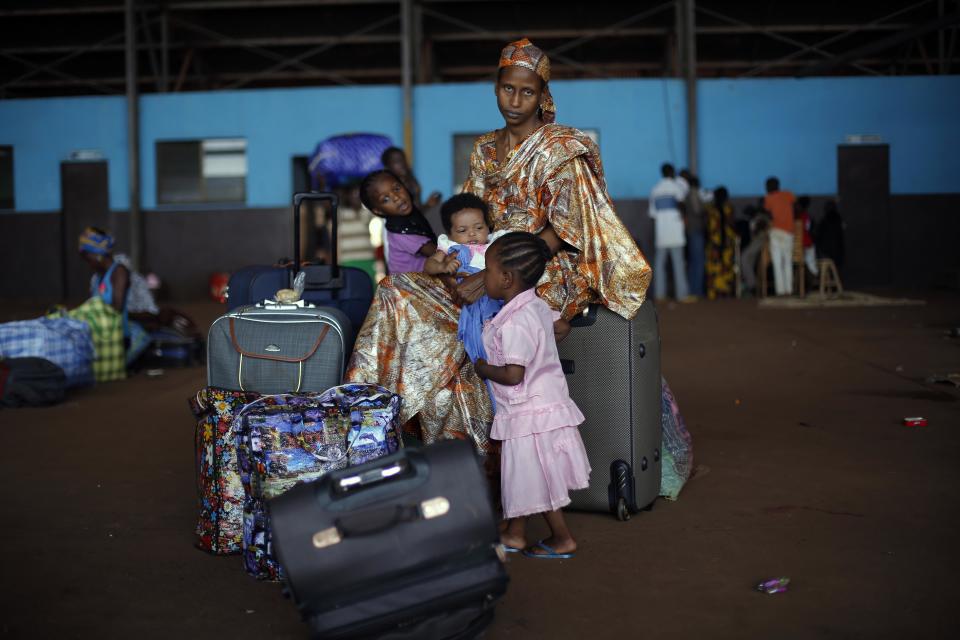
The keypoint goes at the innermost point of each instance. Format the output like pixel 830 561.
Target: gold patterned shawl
pixel 555 176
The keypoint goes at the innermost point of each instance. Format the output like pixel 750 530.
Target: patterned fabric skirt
pixel 408 344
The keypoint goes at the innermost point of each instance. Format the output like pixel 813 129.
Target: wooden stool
pixel 798 266
pixel 829 278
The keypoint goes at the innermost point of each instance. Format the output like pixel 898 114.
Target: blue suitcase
pixel 346 288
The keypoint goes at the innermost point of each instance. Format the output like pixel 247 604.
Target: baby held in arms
pixel 461 250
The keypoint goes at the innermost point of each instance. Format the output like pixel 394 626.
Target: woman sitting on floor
pixel 116 283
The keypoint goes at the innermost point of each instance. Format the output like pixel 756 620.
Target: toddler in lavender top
pixel 410 240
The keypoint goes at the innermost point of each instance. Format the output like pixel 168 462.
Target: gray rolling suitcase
pixel 278 348
pixel 613 372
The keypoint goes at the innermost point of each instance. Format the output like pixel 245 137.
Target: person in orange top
pixel 780 205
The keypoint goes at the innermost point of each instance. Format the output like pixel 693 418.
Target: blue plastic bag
pixel 66 342
pixel 347 158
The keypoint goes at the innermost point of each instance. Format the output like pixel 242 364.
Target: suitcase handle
pixel 585 319
pixel 374 521
pixel 372 476
pixel 319 196
pixel 369 483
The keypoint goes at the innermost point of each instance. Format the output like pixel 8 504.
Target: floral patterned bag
pixel 299 438
pixel 220 492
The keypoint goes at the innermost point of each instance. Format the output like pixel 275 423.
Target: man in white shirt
pixel 666 206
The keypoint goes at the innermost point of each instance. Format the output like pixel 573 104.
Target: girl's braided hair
pixel 369 180
pixel 524 253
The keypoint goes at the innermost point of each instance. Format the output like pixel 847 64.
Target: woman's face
pixel 95 262
pixel 518 95
pixel 390 197
pixel 468 226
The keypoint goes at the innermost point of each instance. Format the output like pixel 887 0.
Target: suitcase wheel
pixel 623 513
pixel 620 491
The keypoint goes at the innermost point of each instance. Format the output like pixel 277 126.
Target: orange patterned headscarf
pixel 524 53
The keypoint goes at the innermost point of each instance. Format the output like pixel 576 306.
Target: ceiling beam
pixel 497 36
pixel 369 73
pixel 299 59
pixel 225 43
pixel 882 44
pixel 208 5
pixel 840 36
pixel 775 36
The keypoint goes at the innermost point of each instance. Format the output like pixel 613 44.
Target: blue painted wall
pixel 748 129
pixel 278 125
pixel 641 125
pixel 44 133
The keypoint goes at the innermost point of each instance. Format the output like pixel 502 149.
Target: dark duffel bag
pixel 31 382
pixel 404 547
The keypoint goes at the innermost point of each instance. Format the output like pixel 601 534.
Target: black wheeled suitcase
pixel 613 372
pixel 404 547
pixel 345 288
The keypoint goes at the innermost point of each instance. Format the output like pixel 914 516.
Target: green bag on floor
pixel 106 324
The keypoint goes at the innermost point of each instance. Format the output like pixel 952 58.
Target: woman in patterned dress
pixel 721 243
pixel 536 176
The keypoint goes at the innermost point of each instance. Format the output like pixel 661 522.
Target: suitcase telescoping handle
pixel 318 196
pixel 387 477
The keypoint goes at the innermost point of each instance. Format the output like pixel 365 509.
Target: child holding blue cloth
pixel 461 250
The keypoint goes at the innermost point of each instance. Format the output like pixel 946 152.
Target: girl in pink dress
pixel 542 456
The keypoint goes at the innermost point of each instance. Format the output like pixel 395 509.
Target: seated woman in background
pixel 116 283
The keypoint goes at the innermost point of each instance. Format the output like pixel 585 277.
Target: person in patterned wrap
pixel 537 176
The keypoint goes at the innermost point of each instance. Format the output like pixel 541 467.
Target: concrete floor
pixel 806 472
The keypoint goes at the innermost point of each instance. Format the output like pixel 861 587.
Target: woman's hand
pixel 553 241
pixel 471 289
pixel 561 329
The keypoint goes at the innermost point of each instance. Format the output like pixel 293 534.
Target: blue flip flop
pixel 508 549
pixel 551 554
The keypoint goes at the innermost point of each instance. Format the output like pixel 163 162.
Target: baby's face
pixel 468 226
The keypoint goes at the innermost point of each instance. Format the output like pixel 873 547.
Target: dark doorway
pixel 84 202
pixel 863 186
